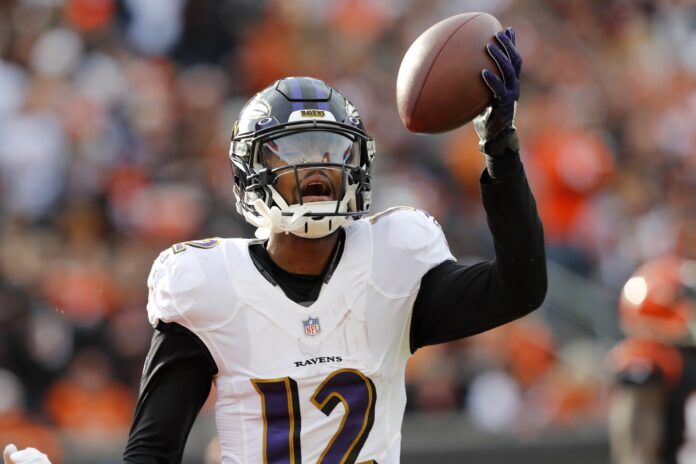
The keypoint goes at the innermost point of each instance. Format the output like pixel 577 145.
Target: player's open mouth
pixel 316 188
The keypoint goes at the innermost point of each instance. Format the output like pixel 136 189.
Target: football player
pixel 306 330
pixel 652 418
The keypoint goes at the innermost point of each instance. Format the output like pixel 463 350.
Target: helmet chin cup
pixel 302 220
pixel 314 226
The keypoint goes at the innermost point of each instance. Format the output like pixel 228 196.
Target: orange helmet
pixel 659 300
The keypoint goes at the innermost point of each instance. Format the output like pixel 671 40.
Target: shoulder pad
pixel 185 282
pixel 409 228
pixel 408 241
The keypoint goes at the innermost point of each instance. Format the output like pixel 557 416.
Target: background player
pixel 653 411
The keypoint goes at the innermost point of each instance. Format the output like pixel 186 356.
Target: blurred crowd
pixel 115 118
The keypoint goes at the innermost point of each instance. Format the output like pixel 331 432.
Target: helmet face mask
pixel 280 142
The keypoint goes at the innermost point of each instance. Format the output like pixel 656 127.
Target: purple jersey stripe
pixel 296 93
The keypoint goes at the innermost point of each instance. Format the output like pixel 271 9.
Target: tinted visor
pixel 309 147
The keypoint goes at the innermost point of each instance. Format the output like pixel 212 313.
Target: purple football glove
pixel 506 91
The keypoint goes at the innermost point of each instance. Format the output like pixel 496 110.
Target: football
pixel 439 86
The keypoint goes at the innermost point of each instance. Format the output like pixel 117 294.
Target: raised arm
pixel 455 300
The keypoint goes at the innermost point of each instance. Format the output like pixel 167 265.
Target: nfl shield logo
pixel 311 326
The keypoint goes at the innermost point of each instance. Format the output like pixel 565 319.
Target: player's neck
pixel 299 255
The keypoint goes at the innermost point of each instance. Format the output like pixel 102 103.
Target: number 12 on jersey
pixel 282 423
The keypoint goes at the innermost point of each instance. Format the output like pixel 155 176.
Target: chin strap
pixel 272 221
pixel 266 220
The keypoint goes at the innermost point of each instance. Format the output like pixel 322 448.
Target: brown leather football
pixel 439 86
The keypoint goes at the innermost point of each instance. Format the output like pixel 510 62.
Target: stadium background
pixel 114 128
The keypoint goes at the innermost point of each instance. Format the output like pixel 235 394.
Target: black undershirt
pixel 176 381
pixel 300 288
pixel 453 301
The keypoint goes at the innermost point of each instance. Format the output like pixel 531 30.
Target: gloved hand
pixel 25 456
pixel 499 118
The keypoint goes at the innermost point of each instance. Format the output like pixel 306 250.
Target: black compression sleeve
pixel 456 301
pixel 176 382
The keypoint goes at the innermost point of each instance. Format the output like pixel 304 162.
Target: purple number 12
pixel 282 421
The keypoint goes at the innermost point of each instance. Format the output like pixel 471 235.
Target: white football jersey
pixel 296 384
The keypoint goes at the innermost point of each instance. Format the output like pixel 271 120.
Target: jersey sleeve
pixel 186 285
pixel 160 299
pixel 407 243
pixel 172 279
